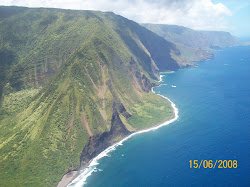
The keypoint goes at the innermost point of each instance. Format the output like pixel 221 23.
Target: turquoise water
pixel 214 117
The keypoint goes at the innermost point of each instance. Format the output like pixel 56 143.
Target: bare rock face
pixel 121 109
pixel 98 143
pixel 144 82
pixel 118 129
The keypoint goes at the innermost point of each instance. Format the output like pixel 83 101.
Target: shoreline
pixel 80 177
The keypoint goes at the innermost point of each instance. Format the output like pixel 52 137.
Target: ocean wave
pixel 161 76
pixel 162 85
pixel 85 173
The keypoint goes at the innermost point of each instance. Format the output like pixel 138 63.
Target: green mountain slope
pixel 194 45
pixel 71 84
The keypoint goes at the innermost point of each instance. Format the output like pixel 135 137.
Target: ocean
pixel 213 101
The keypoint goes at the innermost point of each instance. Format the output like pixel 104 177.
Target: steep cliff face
pixel 96 144
pixel 218 39
pixel 72 83
pixel 194 45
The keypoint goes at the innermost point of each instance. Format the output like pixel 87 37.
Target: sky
pixel 220 15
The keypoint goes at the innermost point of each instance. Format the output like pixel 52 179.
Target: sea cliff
pixel 72 84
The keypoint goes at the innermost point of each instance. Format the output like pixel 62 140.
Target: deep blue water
pixel 214 117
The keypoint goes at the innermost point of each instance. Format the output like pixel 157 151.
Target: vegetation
pixel 150 111
pixel 194 45
pixel 61 73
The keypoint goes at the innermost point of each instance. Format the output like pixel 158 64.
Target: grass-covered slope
pixel 72 83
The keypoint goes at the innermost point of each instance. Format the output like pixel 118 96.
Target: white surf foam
pixel 161 78
pixel 168 72
pixel 85 173
pixel 162 85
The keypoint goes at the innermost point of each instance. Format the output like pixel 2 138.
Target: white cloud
pixel 196 14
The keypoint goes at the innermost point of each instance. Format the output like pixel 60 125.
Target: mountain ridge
pixel 72 83
pixel 194 45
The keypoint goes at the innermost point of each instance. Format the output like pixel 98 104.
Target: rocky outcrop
pixel 96 144
pixel 144 82
pixel 121 109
